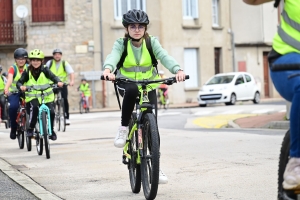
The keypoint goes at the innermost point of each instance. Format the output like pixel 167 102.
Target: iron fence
pixel 12 33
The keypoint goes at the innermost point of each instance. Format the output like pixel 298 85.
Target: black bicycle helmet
pixel 135 17
pixel 56 51
pixel 4 74
pixel 20 53
pixel 83 79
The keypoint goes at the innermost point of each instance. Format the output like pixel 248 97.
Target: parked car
pixel 228 88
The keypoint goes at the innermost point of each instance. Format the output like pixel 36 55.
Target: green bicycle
pixel 141 151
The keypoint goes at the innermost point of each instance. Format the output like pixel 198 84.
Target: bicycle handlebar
pixel 168 81
pixel 54 86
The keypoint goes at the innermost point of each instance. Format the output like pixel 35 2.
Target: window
pixel 191 68
pixel 248 78
pixel 47 10
pixel 216 13
pixel 190 9
pixel 239 80
pixel 122 6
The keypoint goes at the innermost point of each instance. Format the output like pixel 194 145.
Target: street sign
pixel 92 75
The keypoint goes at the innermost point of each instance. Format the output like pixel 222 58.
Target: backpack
pixel 149 47
pixel 63 64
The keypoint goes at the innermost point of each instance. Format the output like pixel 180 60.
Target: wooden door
pixel 6 21
pixel 266 75
pixel 217 60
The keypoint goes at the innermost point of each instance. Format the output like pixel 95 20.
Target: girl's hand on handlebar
pixel 6 91
pixel 180 76
pixel 23 88
pixel 60 84
pixel 108 75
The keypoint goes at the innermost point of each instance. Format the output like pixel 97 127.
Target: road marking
pixel 218 121
pixel 262 111
pixel 282 111
pixel 169 113
pixel 230 112
pixel 203 112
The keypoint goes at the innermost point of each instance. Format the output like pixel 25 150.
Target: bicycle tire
pixel 57 116
pixel 20 136
pixel 45 134
pixel 38 140
pixel 62 116
pixel 28 140
pixel 283 160
pixel 6 107
pixel 134 168
pixel 80 106
pixel 150 158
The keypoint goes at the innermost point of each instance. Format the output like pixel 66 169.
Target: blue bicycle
pixel 43 129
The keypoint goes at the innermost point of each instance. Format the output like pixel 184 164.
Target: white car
pixel 228 88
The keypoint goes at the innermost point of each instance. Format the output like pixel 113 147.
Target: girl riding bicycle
pixel 137 66
pixel 286 50
pixel 38 75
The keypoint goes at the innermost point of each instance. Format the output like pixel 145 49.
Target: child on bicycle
pixel 137 66
pixel 38 75
pixel 286 50
pixel 84 87
pixel 14 73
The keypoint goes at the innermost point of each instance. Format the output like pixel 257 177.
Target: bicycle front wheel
pixel 28 139
pixel 150 158
pixel 62 115
pixel 6 108
pixel 20 136
pixel 80 106
pixel 57 116
pixel 283 160
pixel 45 122
pixel 133 167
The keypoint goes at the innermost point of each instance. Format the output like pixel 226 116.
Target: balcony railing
pixel 12 33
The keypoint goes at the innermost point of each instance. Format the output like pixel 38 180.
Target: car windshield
pixel 220 80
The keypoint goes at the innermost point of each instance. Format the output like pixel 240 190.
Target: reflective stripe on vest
pixel 13 86
pixel 286 37
pixel 60 73
pixel 138 70
pixel 38 85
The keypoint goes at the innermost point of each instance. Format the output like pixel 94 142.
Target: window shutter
pixel 47 11
pixel 194 7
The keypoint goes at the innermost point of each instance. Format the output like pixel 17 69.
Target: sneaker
pixel 68 122
pixel 163 179
pixel 13 134
pixel 29 133
pixel 120 139
pixel 291 175
pixel 53 136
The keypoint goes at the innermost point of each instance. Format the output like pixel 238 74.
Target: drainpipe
pixel 101 55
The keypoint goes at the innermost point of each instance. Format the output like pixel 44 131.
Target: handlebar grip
pixel 102 77
pixel 187 76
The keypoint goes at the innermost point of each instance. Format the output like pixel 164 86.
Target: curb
pixel 285 125
pixel 26 182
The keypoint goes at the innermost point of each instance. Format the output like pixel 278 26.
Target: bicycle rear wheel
pixel 150 158
pixel 62 116
pixel 57 115
pixel 133 167
pixel 45 133
pixel 283 160
pixel 38 140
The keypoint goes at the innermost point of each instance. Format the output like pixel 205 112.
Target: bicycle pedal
pixel 124 161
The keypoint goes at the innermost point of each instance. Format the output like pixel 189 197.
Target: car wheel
pixel 232 99
pixel 256 99
pixel 202 105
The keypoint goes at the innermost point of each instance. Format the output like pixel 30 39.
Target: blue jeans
pixel 289 88
pixel 14 103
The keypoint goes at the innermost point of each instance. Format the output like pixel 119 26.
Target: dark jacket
pixel 25 76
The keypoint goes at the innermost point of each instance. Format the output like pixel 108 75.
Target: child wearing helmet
pixel 10 89
pixel 84 87
pixel 137 63
pixel 38 75
pixel 2 98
